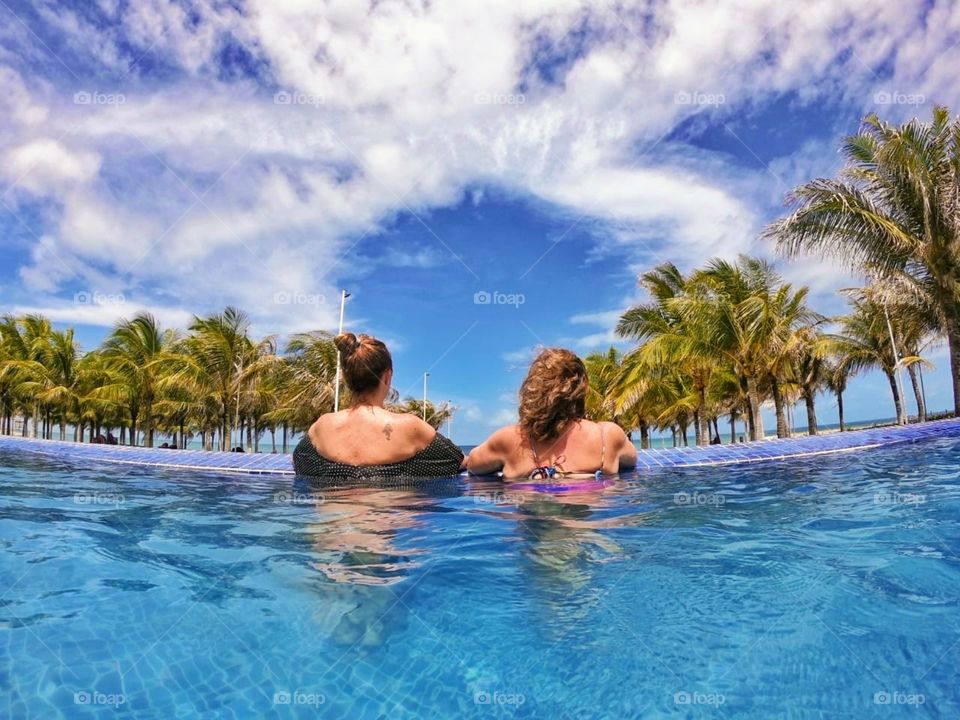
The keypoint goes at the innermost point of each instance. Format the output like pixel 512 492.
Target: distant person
pixel 367 440
pixel 553 437
pixel 111 440
pixel 238 448
pixel 164 446
pixel 716 440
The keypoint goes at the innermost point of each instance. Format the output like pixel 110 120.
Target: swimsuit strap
pixel 603 446
pixel 533 448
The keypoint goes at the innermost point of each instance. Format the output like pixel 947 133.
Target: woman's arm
pixel 623 446
pixel 488 457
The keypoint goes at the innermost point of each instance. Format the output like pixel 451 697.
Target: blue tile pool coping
pixel 800 446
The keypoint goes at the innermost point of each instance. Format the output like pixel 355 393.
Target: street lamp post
pixel 336 389
pixel 425 376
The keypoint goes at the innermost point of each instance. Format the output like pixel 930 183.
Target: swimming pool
pixel 808 588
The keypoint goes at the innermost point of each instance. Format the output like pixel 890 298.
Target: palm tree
pixel 836 375
pixel 812 375
pixel 436 415
pixel 750 319
pixel 864 343
pixel 783 324
pixel 135 355
pixel 25 339
pixel 604 370
pixel 55 379
pixel 219 363
pixel 892 213
pixel 671 336
pixel 306 381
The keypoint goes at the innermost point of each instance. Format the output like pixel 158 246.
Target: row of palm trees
pixel 213 381
pixel 728 337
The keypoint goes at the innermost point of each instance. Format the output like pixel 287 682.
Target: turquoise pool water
pixel 819 588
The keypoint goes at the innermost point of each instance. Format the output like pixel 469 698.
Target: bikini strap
pixel 603 446
pixel 533 449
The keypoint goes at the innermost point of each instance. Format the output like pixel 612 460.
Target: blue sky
pixel 180 157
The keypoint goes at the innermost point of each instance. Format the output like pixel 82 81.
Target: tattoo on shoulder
pixel 387 429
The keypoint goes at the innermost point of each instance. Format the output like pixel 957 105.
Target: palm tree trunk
pixel 284 435
pixel 733 427
pixel 703 422
pixel 782 430
pixel 148 424
pixel 683 434
pixel 897 400
pixel 756 419
pixel 644 435
pixel 716 428
pixel 918 394
pixel 697 434
pixel 951 312
pixel 673 435
pixel 811 414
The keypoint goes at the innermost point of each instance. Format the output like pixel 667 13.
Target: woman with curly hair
pixel 553 437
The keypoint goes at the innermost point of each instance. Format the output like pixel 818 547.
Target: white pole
pixel 425 375
pixel 336 388
pixel 901 417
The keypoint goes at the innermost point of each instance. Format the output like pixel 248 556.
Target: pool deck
pixel 799 446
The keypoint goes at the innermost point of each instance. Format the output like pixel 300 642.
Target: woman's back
pixel 369 435
pixel 584 448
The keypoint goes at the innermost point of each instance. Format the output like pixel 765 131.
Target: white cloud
pixel 44 165
pixel 216 193
pixel 104 313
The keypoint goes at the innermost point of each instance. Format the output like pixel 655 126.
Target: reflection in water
pixel 361 536
pixel 564 541
pixel 366 545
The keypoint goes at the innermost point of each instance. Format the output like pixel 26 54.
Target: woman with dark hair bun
pixel 367 440
pixel 553 437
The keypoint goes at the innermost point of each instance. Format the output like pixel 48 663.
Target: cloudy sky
pixel 484 177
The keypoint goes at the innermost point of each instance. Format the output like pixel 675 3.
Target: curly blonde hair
pixel 553 395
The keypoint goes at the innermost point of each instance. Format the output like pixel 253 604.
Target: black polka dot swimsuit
pixel 441 458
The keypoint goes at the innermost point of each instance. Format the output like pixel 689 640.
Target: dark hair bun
pixel 364 360
pixel 346 343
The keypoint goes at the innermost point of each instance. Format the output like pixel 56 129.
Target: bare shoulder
pixel 613 432
pixel 321 429
pixel 319 425
pixel 414 427
pixel 506 438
